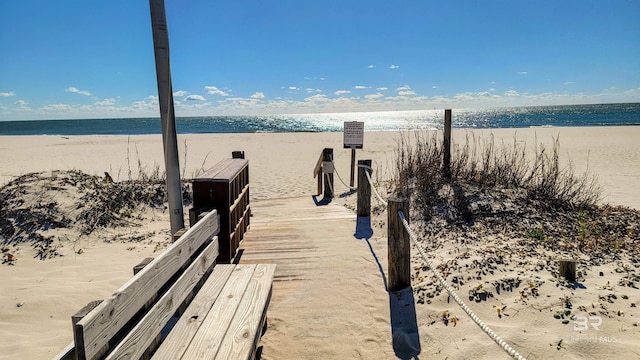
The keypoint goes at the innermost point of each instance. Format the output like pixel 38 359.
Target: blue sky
pixel 94 59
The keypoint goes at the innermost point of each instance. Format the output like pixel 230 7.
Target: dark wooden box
pixel 225 187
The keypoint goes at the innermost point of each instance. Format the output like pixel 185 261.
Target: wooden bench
pixel 180 305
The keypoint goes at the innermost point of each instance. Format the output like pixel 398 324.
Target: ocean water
pixel 520 117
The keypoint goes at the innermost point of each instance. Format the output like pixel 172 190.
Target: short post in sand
pixel 399 246
pixel 364 188
pixel 327 159
pixel 567 268
pixel 237 155
pixel 446 153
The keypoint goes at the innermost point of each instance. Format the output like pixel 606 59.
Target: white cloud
pixel 258 95
pixel 394 66
pixel 317 98
pixel 382 89
pixel 77 91
pixel 180 93
pixel 359 87
pixel 522 73
pixel 195 98
pixel 435 87
pixel 373 96
pixel 212 90
pixel 106 102
pixel 322 78
pixel 57 107
pixel 294 88
pixel 511 93
pixel 568 83
pixel 7 94
pixel 405 91
pixel 371 66
pixel 342 92
pixel 20 103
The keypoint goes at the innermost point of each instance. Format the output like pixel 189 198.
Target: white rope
pixel 511 351
pixel 340 177
pixel 374 189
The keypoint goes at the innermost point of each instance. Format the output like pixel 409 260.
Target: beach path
pixel 329 298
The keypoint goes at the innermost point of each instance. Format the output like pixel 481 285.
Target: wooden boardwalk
pixel 329 298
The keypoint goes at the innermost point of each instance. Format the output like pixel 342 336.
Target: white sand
pixel 281 165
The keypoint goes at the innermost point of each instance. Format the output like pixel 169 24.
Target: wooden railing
pixel 225 187
pixel 325 157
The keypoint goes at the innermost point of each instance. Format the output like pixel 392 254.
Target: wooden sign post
pixel 353 139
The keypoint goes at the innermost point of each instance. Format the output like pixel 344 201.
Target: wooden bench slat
pixel 180 336
pixel 242 337
pixel 101 324
pixel 138 339
pixel 206 342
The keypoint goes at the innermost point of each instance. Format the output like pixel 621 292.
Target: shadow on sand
pixel 404 324
pixel 324 201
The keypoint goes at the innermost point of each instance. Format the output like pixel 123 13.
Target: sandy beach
pixel 39 297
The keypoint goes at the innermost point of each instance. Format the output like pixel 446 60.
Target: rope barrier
pixel 511 351
pixel 375 191
pixel 335 169
pixel 506 347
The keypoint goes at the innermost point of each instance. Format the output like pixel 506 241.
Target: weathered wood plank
pixel 100 325
pixel 207 340
pixel 245 330
pixel 141 265
pixel 68 353
pixel 316 170
pixel 232 169
pixel 240 199
pixel 143 334
pixel 213 171
pixel 180 336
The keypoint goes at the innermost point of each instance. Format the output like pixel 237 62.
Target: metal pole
pixel 167 115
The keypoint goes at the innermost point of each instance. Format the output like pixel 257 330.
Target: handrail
pixel 318 167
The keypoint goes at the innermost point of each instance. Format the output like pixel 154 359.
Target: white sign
pixel 353 134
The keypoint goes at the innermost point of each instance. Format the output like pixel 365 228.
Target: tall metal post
pixel 167 115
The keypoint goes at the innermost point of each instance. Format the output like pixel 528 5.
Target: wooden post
pixel 237 155
pixel 75 318
pixel 567 268
pixel 399 252
pixel 364 189
pixel 178 234
pixel 446 161
pixel 353 165
pixel 327 155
